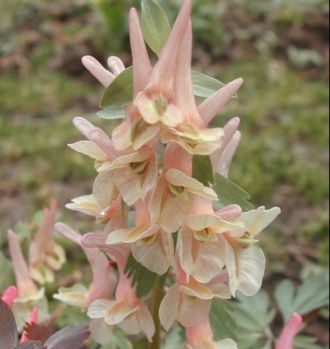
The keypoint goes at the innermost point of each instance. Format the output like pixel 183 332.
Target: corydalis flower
pixel 28 294
pixel 104 280
pixel 45 256
pixel 164 100
pixel 127 311
pixel 188 297
pixel 150 244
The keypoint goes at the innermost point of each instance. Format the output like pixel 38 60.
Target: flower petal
pixel 246 268
pixel 90 149
pixel 169 307
pixel 99 308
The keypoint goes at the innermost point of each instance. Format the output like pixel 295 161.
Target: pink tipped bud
pixel 9 296
pixel 290 330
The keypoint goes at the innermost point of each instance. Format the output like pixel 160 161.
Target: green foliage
pixel 230 193
pixel 143 279
pixel 304 342
pixel 155 25
pixel 311 295
pixel 120 91
pixel 223 320
pixel 202 169
pixel 6 275
pixel 204 85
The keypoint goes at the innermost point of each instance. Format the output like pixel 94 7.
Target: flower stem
pixel 156 300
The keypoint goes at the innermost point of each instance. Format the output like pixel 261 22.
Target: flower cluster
pixel 45 258
pixel 153 209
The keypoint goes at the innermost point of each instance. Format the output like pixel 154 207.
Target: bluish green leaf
pixel 202 169
pixel 223 319
pixel 112 113
pixel 155 25
pixel 304 342
pixel 120 91
pixel 311 295
pixel 204 85
pixel 230 193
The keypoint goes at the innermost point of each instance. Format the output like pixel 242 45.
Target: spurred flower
pixel 245 261
pixel 150 244
pixel 127 311
pixel 45 255
pixel 290 330
pixel 28 294
pixel 103 282
pixel 188 297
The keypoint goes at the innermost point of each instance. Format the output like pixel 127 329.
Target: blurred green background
pixel 280 47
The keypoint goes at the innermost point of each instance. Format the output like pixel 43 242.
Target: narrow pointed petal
pixel 164 71
pixel 68 233
pixel 214 104
pixel 290 330
pixel 184 94
pixel 229 130
pixel 142 67
pixel 23 280
pixel 97 70
pixel 228 154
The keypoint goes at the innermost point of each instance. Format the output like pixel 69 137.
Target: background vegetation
pixel 281 49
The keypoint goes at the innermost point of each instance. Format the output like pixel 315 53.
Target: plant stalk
pixel 156 301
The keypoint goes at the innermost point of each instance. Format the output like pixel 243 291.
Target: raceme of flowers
pixel 152 209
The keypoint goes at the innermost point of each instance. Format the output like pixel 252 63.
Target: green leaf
pixel 143 279
pixel 230 193
pixel 304 342
pixel 6 276
pixel 120 91
pixel 204 85
pixel 202 169
pixel 174 339
pixel 311 295
pixel 112 113
pixel 223 321
pixel 155 25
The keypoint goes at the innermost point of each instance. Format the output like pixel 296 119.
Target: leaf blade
pixel 202 169
pixel 155 25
